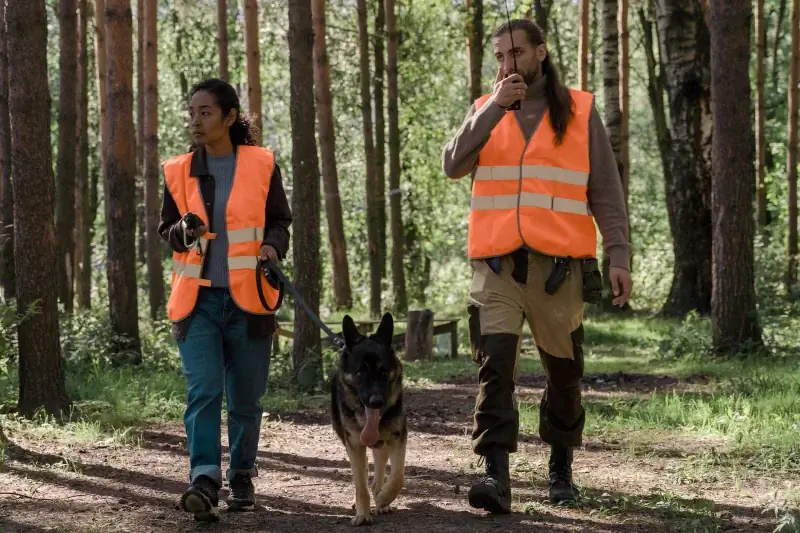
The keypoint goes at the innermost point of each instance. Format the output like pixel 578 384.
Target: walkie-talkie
pixel 518 104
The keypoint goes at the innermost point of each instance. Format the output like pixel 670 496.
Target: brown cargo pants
pixel 498 305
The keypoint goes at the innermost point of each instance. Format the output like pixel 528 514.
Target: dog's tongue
pixel 369 435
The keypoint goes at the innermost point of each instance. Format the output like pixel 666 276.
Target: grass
pixel 729 419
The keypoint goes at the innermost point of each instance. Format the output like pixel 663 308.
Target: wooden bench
pixel 441 326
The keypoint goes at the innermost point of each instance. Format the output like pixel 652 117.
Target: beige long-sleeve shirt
pixel 605 194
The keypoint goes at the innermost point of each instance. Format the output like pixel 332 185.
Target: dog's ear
pixel 385 330
pixel 350 331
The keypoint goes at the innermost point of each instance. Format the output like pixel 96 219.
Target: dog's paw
pixel 361 520
pixel 386 509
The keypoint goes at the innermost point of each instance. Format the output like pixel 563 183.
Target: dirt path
pixel 304 482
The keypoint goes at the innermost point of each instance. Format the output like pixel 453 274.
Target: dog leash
pixel 267 268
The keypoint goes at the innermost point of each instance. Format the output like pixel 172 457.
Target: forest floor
pixel 647 465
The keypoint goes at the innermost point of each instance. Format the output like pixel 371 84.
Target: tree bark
pixel 776 42
pixel 475 47
pixel 419 335
pixel 83 221
pixel 611 71
pixel 222 38
pixel 734 318
pixel 611 101
pixel 330 178
pixel 141 217
pixel 102 90
pixel 685 52
pixel 373 232
pixel 41 377
pixel 253 61
pixel 791 147
pixel 7 234
pixel 593 46
pixel 155 268
pixel 305 195
pixel 541 10
pixel 761 144
pixel 65 166
pixel 121 172
pixel 395 193
pixel 380 135
pixel 655 93
pixel 624 98
pixel 583 46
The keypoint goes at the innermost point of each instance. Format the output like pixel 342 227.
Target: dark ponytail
pixel 224 95
pixel 559 100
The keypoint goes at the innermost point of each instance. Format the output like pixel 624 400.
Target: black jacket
pixel 276 231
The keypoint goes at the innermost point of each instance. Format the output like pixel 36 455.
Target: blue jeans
pixel 218 356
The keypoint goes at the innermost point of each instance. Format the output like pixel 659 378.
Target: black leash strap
pixel 269 269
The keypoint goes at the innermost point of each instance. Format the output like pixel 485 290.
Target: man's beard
pixel 530 75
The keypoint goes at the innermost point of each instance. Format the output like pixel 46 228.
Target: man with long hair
pixel 542 176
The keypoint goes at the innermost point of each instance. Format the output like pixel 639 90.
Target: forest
pixel 691 389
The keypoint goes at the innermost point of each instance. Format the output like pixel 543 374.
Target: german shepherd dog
pixel 367 412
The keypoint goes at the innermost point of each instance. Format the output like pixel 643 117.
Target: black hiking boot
pixel 561 487
pixel 243 494
pixel 493 492
pixel 202 499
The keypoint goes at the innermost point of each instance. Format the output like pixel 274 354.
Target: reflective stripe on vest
pixel 533 192
pixel 244 219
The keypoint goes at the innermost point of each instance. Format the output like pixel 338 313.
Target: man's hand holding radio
pixel 508 90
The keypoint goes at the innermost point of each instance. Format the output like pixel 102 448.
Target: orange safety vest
pixel 244 217
pixel 533 193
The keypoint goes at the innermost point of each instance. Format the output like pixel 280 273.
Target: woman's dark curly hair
pixel 225 96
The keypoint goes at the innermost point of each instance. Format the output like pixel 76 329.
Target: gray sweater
pixel 216 263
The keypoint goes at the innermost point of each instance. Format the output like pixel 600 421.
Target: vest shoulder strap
pixel 583 100
pixel 481 101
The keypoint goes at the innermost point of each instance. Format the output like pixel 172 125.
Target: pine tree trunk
pixel 583 46
pixel 655 93
pixel 102 91
pixel 330 178
pixel 82 220
pixel 475 47
pixel 370 187
pixel 141 220
pixel 611 103
pixel 395 194
pixel 593 46
pixel 65 177
pixel 685 52
pixel 734 319
pixel 791 147
pixel 253 57
pixel 776 42
pixel 7 270
pixel 121 172
pixel 380 134
pixel 155 267
pixel 541 11
pixel 41 377
pixel 611 85
pixel 761 143
pixel 624 98
pixel 222 38
pixel 305 195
